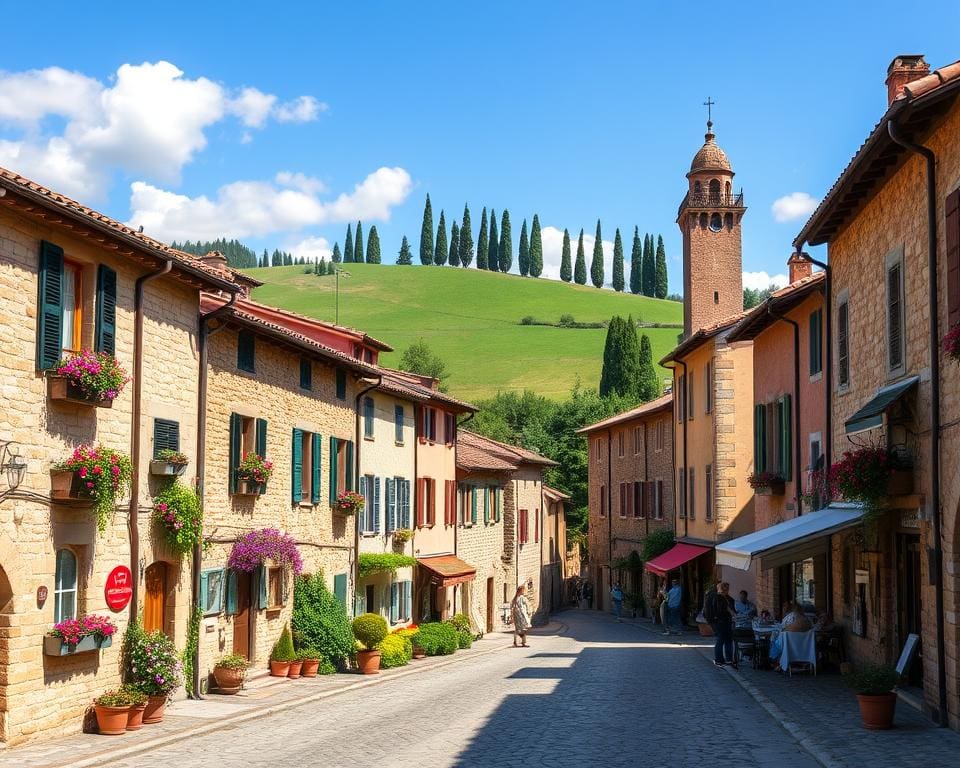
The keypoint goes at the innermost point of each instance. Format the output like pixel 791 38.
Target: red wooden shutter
pixel 431 502
pixel 952 211
pixel 536 522
pixel 421 501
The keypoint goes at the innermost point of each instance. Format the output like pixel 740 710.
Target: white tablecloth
pixel 798 647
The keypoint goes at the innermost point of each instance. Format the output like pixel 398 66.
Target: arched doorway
pixel 155 597
pixel 6 613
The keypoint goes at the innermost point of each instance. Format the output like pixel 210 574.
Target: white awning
pixel 797 534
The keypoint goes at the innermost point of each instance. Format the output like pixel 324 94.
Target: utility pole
pixel 338 272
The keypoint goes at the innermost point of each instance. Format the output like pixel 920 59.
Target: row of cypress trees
pixel 353 247
pixel 648 264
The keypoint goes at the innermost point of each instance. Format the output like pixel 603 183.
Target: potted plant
pixel 252 474
pixel 767 483
pixel 169 462
pixel 96 473
pixel 113 711
pixel 176 511
pixel 229 673
pixel 874 684
pixel 88 378
pixel 951 343
pixel 70 636
pixel 155 669
pixel 402 535
pixel 138 705
pixel 282 654
pixel 869 475
pixel 253 549
pixel 349 503
pixel 369 629
pixel 310 658
pixel 296 664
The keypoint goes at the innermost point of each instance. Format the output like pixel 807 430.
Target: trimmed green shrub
pixel 326 667
pixel 283 649
pixel 464 640
pixel 319 619
pixel 873 679
pixel 371 562
pixel 395 651
pixel 437 638
pixel 370 629
pixel 461 622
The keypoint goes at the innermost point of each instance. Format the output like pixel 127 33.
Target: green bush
pixel 461 622
pixel 370 629
pixel 371 562
pixel 320 621
pixel 873 679
pixel 464 639
pixel 395 651
pixel 438 638
pixel 283 649
pixel 309 654
pixel 326 667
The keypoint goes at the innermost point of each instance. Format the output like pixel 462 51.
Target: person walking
pixel 521 616
pixel 616 595
pixel 719 612
pixel 674 599
pixel 588 594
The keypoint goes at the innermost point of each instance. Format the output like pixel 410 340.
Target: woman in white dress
pixel 521 616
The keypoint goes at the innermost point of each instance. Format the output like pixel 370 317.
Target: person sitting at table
pixel 794 619
pixel 765 619
pixel 744 611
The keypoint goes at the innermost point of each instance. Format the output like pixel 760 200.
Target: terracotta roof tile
pixel 704 334
pixel 413 386
pixel 512 454
pixel 758 318
pixel 662 403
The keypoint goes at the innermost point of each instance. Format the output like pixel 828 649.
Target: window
pixel 952 234
pixel 305 467
pixel 246 352
pixel 211 591
pixel 449 429
pixel 816 451
pixel 716 222
pixel 681 492
pixel 341 467
pixel 247 435
pixel 896 355
pixel 398 417
pixel 536 525
pixel 597 450
pixel 65 586
pixel 708 491
pixel 691 501
pixel 72 315
pixel 843 341
pixel 639 499
pixel 523 518
pixel 306 374
pixel 681 399
pixel 658 501
pixel 603 501
pixel 637 440
pixel 708 387
pixel 341 384
pixel 624 498
pixel 276 591
pixel 816 342
pixel 450 502
pixel 166 436
pixel 620 443
pixel 785 437
pixel 690 396
pixel 398 503
pixel 401 601
pixel 772 437
pixel 716 297
pixel 660 429
pixel 368 412
pixel 428 425
pixel 426 502
pixel 370 517
pixel 714 191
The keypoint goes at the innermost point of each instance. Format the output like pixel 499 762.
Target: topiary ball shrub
pixel 320 620
pixel 326 667
pixel 464 639
pixel 370 629
pixel 395 651
pixel 438 638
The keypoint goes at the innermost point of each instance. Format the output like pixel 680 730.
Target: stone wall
pixel 481 545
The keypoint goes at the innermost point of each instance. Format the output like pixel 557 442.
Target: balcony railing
pixel 707 200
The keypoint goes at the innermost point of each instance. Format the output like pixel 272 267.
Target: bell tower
pixel 709 219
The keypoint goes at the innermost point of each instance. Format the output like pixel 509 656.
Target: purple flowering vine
pixel 253 549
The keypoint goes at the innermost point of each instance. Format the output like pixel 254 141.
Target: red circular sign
pixel 119 588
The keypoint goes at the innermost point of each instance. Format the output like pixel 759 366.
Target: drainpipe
pixel 828 389
pixel 934 343
pixel 356 479
pixel 646 479
pixel 205 332
pixel 796 402
pixel 133 523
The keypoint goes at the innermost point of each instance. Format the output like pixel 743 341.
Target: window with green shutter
pixel 759 438
pixel 341 384
pixel 211 591
pixel 785 437
pixel 498 510
pixel 230 602
pixel 296 464
pixel 246 352
pixel 306 374
pixel 348 465
pixel 261 444
pixel 105 336
pixel 315 466
pixel 166 436
pixel 49 306
pixel 334 479
pixel 236 448
pixel 816 342
pixel 486 506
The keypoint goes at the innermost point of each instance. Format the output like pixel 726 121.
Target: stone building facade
pixel 555 592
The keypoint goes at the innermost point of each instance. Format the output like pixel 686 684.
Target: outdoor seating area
pixel 768 646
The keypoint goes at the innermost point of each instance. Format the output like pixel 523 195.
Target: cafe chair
pixel 745 646
pixel 799 650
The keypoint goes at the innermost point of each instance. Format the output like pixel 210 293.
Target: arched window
pixel 697 189
pixel 65 586
pixel 728 190
pixel 714 190
pixel 716 224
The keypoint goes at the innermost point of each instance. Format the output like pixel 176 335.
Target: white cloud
pixel 27 97
pixel 301 110
pixel 553 253
pixel 758 281
pixel 796 205
pixel 255 208
pixel 252 106
pixel 312 248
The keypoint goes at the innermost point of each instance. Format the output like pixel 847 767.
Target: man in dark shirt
pixel 719 611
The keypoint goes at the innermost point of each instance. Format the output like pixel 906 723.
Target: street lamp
pixel 339 272
pixel 13 464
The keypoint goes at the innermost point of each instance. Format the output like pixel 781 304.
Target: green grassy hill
pixel 472 320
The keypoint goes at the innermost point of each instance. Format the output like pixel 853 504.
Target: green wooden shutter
pixel 394 602
pixel 204 588
pixel 296 463
pixel 349 472
pixel 49 305
pixel 499 510
pixel 367 505
pixel 376 505
pixel 333 471
pixel 392 484
pixel 340 588
pixel 236 437
pixel 315 480
pixel 231 602
pixel 261 445
pixel 405 506
pixel 246 352
pixel 263 586
pixel 786 442
pixel 105 336
pixel 486 505
pixel 759 438
pixel 166 436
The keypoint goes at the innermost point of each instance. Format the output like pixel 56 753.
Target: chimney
pixel 799 267
pixel 902 70
pixel 215 259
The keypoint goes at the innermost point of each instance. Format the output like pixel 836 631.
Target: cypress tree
pixel 483 241
pixel 506 243
pixel 580 270
pixel 336 254
pixel 611 354
pixel 276 260
pixel 596 265
pixel 405 257
pixel 493 250
pixel 440 249
pixel 348 246
pixel 373 246
pixel 566 270
pixel 649 268
pixel 523 256
pixel 454 256
pixel 358 248
pixel 536 248
pixel 621 358
pixel 320 268
pixel 660 278
pixel 636 263
pixel 648 383
pixel 617 262
pixel 426 234
pixel 465 251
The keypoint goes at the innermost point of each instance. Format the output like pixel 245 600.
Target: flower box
pixel 773 489
pixel 61 390
pixel 900 482
pixel 166 468
pixel 55 646
pixel 65 486
pixel 248 488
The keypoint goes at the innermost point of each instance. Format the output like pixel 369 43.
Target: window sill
pixel 367 439
pixel 369 534
pixel 399 443
pixel 815 377
pixel 273 611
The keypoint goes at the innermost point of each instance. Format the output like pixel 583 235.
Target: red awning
pixel 447 570
pixel 674 558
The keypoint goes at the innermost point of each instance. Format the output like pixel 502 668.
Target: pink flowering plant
pixel 254 468
pixel 72 631
pixel 154 665
pixel 350 502
pixel 102 474
pixel 764 479
pixel 96 374
pixel 253 549
pixel 951 343
pixel 176 511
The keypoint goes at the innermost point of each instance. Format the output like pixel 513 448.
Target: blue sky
pixel 281 124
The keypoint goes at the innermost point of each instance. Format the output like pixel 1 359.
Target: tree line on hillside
pixel 239 256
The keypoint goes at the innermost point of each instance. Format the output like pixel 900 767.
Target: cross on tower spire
pixel 709 105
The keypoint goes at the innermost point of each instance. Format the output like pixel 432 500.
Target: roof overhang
pixel 870 416
pixel 772 309
pixel 447 570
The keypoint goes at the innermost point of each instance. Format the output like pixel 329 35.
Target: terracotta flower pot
pixel 229 681
pixel 877 711
pixel 294 672
pixel 279 668
pixel 112 721
pixel 135 717
pixel 419 653
pixel 310 667
pixel 368 662
pixel 154 711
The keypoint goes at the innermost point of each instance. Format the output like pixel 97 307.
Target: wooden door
pixel 155 580
pixel 241 619
pixel 490 604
